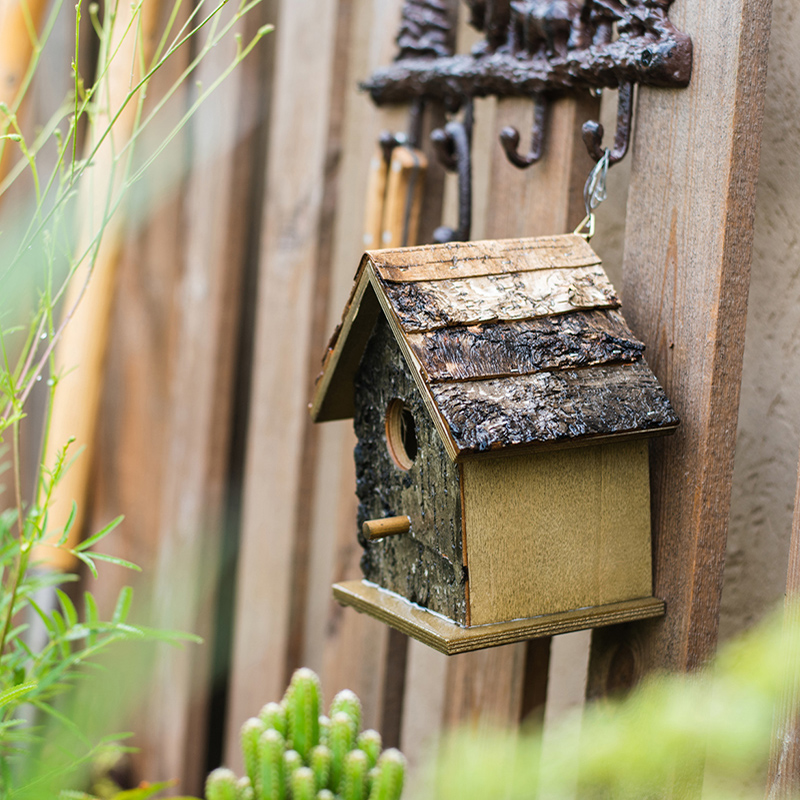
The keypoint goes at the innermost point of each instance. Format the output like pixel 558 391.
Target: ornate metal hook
pixel 453 145
pixel 593 131
pixel 509 137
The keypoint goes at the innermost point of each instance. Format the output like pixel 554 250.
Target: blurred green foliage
pixel 714 727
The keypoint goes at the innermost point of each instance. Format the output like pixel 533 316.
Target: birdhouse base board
pixel 450 638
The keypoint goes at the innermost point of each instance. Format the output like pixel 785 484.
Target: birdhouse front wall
pixel 425 565
pixel 554 531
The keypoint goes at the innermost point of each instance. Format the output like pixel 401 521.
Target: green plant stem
pixel 22 558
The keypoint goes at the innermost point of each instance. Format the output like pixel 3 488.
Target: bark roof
pixel 512 343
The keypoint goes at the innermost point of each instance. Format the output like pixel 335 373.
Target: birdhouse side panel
pixel 424 565
pixel 556 531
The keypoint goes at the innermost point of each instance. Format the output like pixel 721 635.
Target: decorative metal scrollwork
pixel 538 49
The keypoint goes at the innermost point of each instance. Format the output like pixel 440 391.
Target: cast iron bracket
pixel 538 49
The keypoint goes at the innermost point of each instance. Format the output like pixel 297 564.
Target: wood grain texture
pixel 352 649
pixel 488 687
pixel 456 260
pixel 404 192
pixel 557 531
pixel 452 639
pixel 279 451
pixel 686 273
pixel 376 192
pixel 493 350
pixel 783 781
pixel 562 406
pixel 427 305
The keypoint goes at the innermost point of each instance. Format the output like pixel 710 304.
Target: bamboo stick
pixel 20 21
pixel 80 353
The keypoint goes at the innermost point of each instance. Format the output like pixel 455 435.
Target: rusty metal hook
pixel 593 131
pixel 453 145
pixel 509 137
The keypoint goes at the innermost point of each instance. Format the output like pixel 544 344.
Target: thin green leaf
pixel 101 534
pixel 16 692
pixel 89 563
pixel 123 605
pixel 70 522
pixel 121 562
pixel 69 608
pixel 92 615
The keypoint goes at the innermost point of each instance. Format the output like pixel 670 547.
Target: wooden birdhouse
pixel 502 408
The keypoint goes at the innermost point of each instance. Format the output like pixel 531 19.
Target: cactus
pixel 292 761
pixel 302 712
pixel 370 742
pixel 292 752
pixel 321 766
pixel 251 731
pixel 341 739
pixel 347 702
pixel 387 782
pixel 244 789
pixel 221 785
pixel 354 780
pixel 303 786
pixel 273 715
pixel 271 783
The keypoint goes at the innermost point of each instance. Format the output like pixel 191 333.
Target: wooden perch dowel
pixel 389 526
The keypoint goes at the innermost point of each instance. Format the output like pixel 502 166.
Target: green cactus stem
pixel 292 761
pixel 325 794
pixel 250 734
pixel 271 783
pixel 302 704
pixel 221 785
pixel 371 743
pixel 244 789
pixel 303 785
pixel 354 783
pixel 324 728
pixel 387 783
pixel 340 741
pixel 347 702
pixel 273 715
pixel 320 763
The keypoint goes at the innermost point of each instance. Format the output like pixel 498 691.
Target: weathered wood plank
pixel 350 649
pixel 427 305
pixel 520 348
pixel 276 492
pixel 686 273
pixel 559 406
pixel 473 259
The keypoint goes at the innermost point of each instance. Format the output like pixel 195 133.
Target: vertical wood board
pixel 299 126
pixel 686 272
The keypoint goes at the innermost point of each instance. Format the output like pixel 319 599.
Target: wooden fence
pixel 224 305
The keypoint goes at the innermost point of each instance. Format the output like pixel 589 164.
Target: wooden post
pixel 292 290
pixel 686 273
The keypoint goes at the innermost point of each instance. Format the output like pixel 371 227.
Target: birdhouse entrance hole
pixel 401 434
